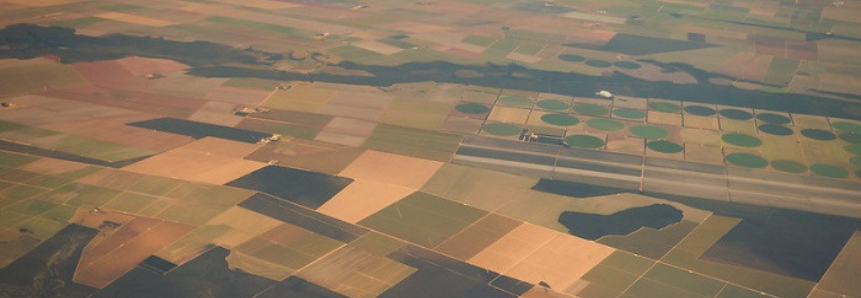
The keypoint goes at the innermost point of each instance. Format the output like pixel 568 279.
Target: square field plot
pixel 362 199
pixel 413 142
pixel 210 164
pixel 393 169
pixel 423 219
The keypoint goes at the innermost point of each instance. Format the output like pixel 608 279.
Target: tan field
pixel 409 172
pixel 842 276
pixel 362 199
pixel 244 225
pixel 245 262
pixel 112 178
pixel 130 252
pixel 509 115
pixel 694 121
pixel 655 117
pixel 134 19
pixel 534 254
pixel 191 163
pixel 704 154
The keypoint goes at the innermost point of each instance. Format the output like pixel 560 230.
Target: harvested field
pixel 404 171
pixel 193 162
pixel 362 199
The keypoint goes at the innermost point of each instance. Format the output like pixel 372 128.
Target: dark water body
pixel 796 243
pixel 296 287
pixel 305 188
pixel 208 275
pixel 21 148
pixel 439 276
pixel 28 41
pixel 576 190
pixel 47 270
pixel 158 264
pixel 199 130
pixel 631 44
pixel 593 226
pixel 296 215
pixel 502 76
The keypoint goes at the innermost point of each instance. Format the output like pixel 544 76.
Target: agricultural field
pixel 463 148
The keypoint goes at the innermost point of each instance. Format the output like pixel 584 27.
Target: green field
pixel 413 142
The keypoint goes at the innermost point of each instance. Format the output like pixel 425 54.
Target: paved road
pixel 657 175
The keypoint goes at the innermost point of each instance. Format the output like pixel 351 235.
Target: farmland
pixel 464 148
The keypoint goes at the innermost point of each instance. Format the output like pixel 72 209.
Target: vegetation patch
pixel 472 108
pixel 830 171
pixel 605 124
pixel 502 129
pixel 772 118
pixel 788 166
pixel 741 140
pixel 736 114
pixel 664 107
pixel 589 109
pixel 560 119
pixel 818 134
pixel 584 141
pixel 629 113
pixel 649 132
pixel 700 110
pixel 746 160
pixel 664 146
pixel 776 130
pixel 552 104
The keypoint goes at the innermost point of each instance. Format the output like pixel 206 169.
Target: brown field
pixel 167 105
pixel 245 262
pixel 346 131
pixel 96 218
pixel 240 96
pixel 128 254
pixel 218 113
pixel 362 199
pixel 135 19
pixel 244 225
pixel 535 254
pixel 694 121
pixel 223 147
pixel 310 155
pixel 410 172
pixel 655 117
pixel 112 178
pixel 116 131
pixel 629 145
pixel 508 115
pixel 705 154
pixel 138 66
pixel 842 276
pixel 747 66
pixel 190 163
pixel 52 166
pixel 810 121
pixel 108 74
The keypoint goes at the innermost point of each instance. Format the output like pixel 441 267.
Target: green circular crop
pixel 741 140
pixel 746 160
pixel 830 171
pixel 736 114
pixel 589 109
pixel 664 107
pixel 472 108
pixel 628 113
pixel 649 132
pixel 515 101
pixel 664 146
pixel 560 119
pixel 502 129
pixel 552 104
pixel 776 130
pixel 788 166
pixel 818 134
pixel 605 124
pixel 584 141
pixel 772 118
pixel 700 110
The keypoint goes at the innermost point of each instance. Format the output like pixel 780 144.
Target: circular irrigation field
pixel 852 138
pixel 664 146
pixel 788 166
pixel 626 65
pixel 552 104
pixel 589 109
pixel 818 134
pixel 560 119
pixel 855 160
pixel 736 114
pixel 502 129
pixel 746 160
pixel 629 113
pixel 649 132
pixel 472 108
pixel 830 171
pixel 741 140
pixel 772 118
pixel 700 111
pixel 599 63
pixel 584 141
pixel 664 107
pixel 516 101
pixel 846 126
pixel 572 58
pixel 854 149
pixel 605 124
pixel 776 130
